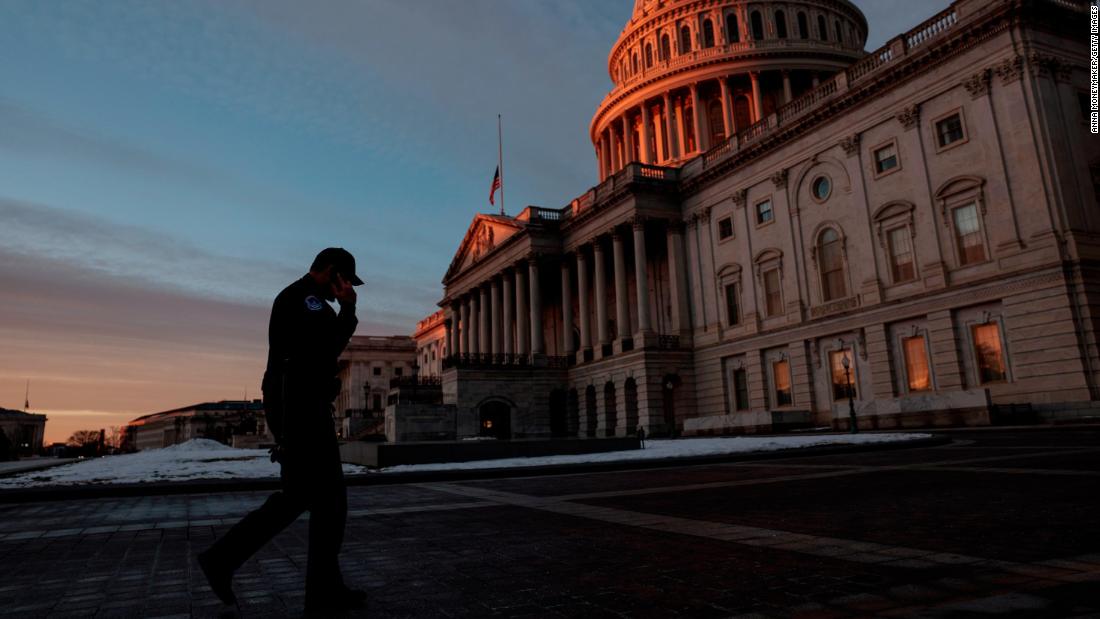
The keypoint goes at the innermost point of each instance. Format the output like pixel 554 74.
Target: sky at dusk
pixel 167 167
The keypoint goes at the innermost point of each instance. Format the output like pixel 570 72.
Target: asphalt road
pixel 996 523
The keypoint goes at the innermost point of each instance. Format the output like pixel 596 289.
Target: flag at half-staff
pixel 495 186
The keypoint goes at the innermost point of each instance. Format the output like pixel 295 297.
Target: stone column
pixel 727 110
pixel 757 101
pixel 612 146
pixel 673 141
pixel 787 97
pixel 566 308
pixel 508 301
pixel 697 116
pixel 601 293
pixel 450 342
pixel 599 159
pixel 681 129
pixel 536 307
pixel 628 141
pixel 608 168
pixel 483 339
pixel 678 289
pixel 498 332
pixel 655 123
pixel 641 278
pixel 622 312
pixel 582 299
pixel 464 339
pixel 522 334
pixel 646 155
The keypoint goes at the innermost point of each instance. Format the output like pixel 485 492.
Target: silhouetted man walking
pixel 305 338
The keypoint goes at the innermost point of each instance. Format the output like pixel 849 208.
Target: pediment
pixel 485 233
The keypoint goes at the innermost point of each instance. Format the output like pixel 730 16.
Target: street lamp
pixel 852 426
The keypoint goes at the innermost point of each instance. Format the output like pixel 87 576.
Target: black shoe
pixel 221 580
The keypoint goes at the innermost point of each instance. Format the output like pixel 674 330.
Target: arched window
pixel 717 121
pixel 611 411
pixel 830 259
pixel 685 40
pixel 839 33
pixel 757 24
pixel 822 29
pixel 634 63
pixel 781 24
pixel 708 33
pixel 666 47
pixel 733 32
pixel 803 26
pixel 648 55
pixel 590 418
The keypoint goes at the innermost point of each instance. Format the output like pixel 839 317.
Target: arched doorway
pixel 668 402
pixel 573 406
pixel 611 413
pixel 496 420
pixel 559 425
pixel 590 411
pixel 630 401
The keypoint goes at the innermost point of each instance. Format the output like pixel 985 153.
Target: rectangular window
pixel 397 371
pixel 886 158
pixel 901 255
pixel 916 363
pixel 732 310
pixel 988 353
pixel 949 130
pixel 781 372
pixel 377 371
pixel 841 378
pixel 764 212
pixel 725 228
pixel 773 299
pixel 968 236
pixel 741 390
pixel 376 403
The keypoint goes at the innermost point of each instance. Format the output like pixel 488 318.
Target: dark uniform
pixel 305 338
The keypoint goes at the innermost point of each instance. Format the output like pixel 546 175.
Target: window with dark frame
pixel 949 130
pixel 708 33
pixel 831 258
pixel 780 24
pixel 733 31
pixel 764 212
pixel 968 235
pixel 886 158
pixel 733 310
pixel 725 228
pixel 741 390
pixel 901 255
pixel 773 299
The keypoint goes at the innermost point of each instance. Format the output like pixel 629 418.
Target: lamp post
pixel 852 426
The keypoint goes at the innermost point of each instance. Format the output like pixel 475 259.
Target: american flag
pixel 495 186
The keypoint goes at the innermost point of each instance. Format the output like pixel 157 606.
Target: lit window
pixel 916 364
pixel 781 372
pixel 901 255
pixel 831 258
pixel 821 188
pixel 968 236
pixel 764 212
pixel 886 158
pixel 841 378
pixel 988 353
pixel 949 130
pixel 725 228
pixel 741 390
pixel 773 299
pixel 732 310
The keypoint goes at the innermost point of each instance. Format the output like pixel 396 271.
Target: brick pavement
pixel 999 523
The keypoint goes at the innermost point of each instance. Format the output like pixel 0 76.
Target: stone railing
pixel 490 361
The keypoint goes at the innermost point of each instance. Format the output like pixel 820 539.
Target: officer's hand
pixel 345 292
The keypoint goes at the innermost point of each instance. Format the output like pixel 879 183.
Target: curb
pixel 207 486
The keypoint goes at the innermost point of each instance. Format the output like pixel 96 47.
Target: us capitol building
pixel 779 213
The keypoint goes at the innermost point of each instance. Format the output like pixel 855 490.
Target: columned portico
pixel 522 334
pixel 622 312
pixel 537 347
pixel 582 301
pixel 601 294
pixel 566 308
pixel 508 301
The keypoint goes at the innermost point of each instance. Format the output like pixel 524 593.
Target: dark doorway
pixel 668 402
pixel 559 424
pixel 630 401
pixel 590 411
pixel 574 408
pixel 612 412
pixel 496 420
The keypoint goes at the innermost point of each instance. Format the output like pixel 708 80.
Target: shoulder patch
pixel 313 304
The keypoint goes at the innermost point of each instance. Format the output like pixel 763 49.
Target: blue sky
pixel 167 167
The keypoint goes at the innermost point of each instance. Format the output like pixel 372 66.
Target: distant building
pixel 23 430
pixel 238 423
pixel 431 345
pixel 367 366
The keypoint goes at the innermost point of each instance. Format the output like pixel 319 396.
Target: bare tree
pixel 83 438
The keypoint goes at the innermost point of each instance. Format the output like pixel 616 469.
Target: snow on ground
pixel 674 448
pixel 206 459
pixel 195 459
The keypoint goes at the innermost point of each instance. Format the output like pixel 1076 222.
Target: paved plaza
pixel 996 523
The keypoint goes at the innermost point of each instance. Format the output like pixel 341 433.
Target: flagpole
pixel 500 161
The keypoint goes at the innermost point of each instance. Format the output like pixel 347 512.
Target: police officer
pixel 305 338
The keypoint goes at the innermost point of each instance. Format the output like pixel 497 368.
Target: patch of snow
pixel 660 449
pixel 193 459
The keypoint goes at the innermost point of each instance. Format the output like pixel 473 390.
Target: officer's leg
pixel 328 511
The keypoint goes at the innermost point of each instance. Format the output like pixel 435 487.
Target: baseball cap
pixel 342 262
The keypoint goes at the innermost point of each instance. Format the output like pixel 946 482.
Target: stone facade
pixel 916 227
pixel 24 431
pixel 239 423
pixel 367 367
pixel 431 345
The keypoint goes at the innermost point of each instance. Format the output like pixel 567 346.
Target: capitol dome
pixel 688 74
